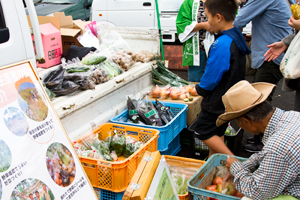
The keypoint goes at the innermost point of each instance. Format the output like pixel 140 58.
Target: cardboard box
pixel 51 39
pixel 142 178
pixel 70 29
pixel 194 107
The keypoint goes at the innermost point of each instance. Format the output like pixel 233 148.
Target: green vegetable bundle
pixel 77 69
pixel 162 76
pixel 118 144
pixel 132 145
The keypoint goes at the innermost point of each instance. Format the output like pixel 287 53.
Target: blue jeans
pixel 195 72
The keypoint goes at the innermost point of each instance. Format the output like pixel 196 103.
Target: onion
pixel 174 94
pixel 188 88
pixel 164 93
pixel 194 92
pixel 156 92
pixel 182 96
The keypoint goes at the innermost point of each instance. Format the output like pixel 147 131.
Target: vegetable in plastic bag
pixel 180 182
pixel 83 79
pixel 132 110
pixel 77 69
pixel 68 87
pixel 148 113
pixel 54 78
pixel 50 94
pixel 163 112
pixel 132 145
pixel 230 130
pixel 118 144
pixel 93 59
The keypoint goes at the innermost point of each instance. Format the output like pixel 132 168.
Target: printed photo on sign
pixel 5 156
pixel 32 189
pixel 31 102
pixel 15 121
pixel 0 190
pixel 60 164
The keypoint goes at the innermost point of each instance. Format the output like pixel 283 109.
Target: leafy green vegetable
pixel 118 144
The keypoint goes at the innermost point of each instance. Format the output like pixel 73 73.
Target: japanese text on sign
pixel 42 129
pixel 13 174
pixel 74 189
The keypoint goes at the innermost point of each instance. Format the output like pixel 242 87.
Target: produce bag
pixel 132 145
pixel 68 87
pixel 133 114
pixel 230 130
pixel 50 94
pixel 148 112
pixel 163 112
pixel 180 182
pixel 123 59
pixel 93 59
pixel 109 140
pixel 99 76
pixel 118 144
pixel 54 78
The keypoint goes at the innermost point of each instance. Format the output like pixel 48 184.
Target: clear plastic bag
pixel 118 144
pixel 88 39
pixel 148 112
pixel 230 131
pixel 132 145
pixel 180 182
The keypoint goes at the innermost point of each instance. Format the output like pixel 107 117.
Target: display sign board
pixel 162 186
pixel 37 160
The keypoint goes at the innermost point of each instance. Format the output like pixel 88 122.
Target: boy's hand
pixel 294 23
pixel 229 161
pixel 207 27
pixel 276 49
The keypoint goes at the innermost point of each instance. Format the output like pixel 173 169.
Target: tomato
pixel 211 187
pixel 217 180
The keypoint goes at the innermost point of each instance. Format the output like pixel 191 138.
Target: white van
pixel 15 39
pixel 138 13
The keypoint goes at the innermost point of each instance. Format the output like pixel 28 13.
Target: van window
pixel 4 32
pixel 60 1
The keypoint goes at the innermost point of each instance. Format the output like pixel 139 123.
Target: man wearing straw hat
pixel 275 171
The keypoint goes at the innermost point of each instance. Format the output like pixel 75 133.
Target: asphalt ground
pixel 281 99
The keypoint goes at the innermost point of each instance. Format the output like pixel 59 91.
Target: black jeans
pixel 268 72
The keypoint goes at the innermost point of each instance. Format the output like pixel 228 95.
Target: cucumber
pixel 93 59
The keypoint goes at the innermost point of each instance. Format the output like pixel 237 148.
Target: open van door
pixel 15 39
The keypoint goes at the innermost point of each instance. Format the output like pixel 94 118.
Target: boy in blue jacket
pixel 225 66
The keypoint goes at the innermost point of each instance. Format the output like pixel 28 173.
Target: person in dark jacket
pixel 225 66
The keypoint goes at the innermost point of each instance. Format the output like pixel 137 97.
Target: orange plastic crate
pixel 115 176
pixel 185 163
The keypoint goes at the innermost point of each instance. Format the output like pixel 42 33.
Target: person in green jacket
pixel 191 24
pixel 47 194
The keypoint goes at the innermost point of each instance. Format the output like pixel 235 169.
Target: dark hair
pixel 259 112
pixel 36 192
pixel 226 8
pixel 30 194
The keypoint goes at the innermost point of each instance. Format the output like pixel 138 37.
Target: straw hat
pixel 242 97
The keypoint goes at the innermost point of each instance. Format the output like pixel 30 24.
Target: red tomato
pixel 217 180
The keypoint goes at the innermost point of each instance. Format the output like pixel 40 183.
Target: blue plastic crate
pixel 201 174
pixel 173 148
pixel 108 195
pixel 167 132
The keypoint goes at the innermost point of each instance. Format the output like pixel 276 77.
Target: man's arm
pixel 269 180
pixel 252 9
